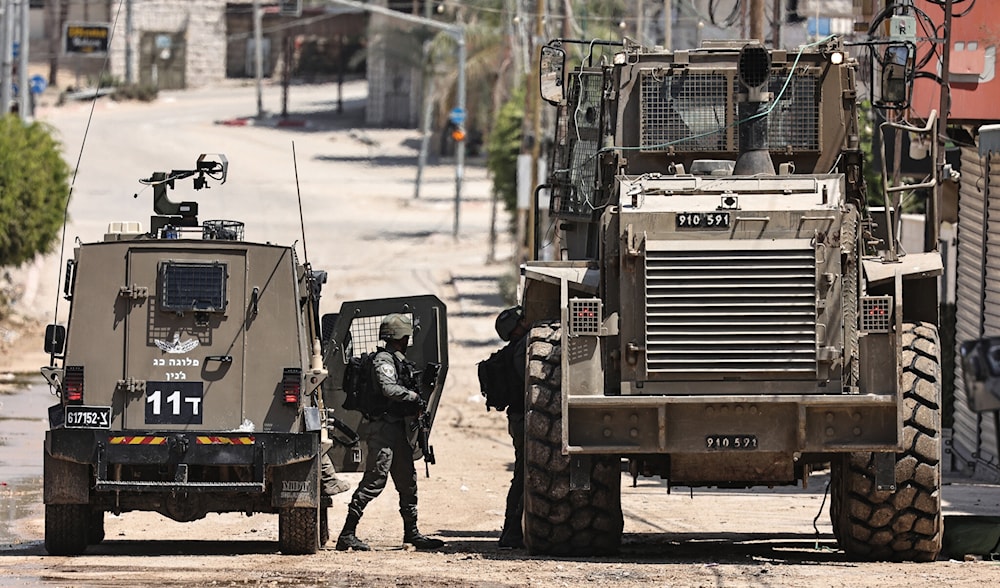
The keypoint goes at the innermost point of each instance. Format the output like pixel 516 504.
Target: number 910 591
pixel 731 442
pixel 702 220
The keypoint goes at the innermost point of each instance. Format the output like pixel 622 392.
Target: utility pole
pixel 7 52
pixel 778 17
pixel 668 25
pixel 24 96
pixel 258 53
pixel 757 20
pixel 129 76
pixel 640 22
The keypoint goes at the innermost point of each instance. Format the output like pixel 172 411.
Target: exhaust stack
pixel 754 72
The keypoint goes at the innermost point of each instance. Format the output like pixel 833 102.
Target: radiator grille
pixel 730 312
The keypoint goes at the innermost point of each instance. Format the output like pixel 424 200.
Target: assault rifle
pixel 423 381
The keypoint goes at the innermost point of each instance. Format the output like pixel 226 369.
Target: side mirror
pixel 897 76
pixel 981 372
pixel 551 66
pixel 55 339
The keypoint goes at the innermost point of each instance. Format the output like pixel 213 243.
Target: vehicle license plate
pixel 88 417
pixel 727 442
pixel 702 220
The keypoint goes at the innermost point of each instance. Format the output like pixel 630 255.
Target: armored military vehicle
pixel 190 377
pixel 723 309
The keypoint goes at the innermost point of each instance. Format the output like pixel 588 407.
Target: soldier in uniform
pixel 389 450
pixel 512 327
pixel 332 484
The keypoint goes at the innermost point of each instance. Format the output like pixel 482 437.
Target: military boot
pixel 334 486
pixel 417 539
pixel 511 538
pixel 347 539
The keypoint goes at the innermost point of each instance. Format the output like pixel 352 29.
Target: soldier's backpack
pixel 359 385
pixel 498 381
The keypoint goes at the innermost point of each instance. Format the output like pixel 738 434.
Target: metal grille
pixel 737 313
pixel 688 112
pixel 876 311
pixel 226 230
pixel 575 155
pixel 188 286
pixel 363 335
pixel 794 121
pixel 585 316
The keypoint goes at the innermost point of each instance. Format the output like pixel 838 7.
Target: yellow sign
pixel 87 38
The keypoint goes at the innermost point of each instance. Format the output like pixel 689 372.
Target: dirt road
pixel 364 227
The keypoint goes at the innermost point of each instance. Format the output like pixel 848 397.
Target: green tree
pixel 504 147
pixel 34 189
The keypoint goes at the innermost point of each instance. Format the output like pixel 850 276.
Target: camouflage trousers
pixel 515 496
pixel 389 454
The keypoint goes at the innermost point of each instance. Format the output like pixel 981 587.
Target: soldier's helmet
pixel 508 320
pixel 395 326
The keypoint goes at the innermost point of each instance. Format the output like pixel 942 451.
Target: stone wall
pixel 202 23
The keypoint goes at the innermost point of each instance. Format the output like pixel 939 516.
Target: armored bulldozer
pixel 723 309
pixel 189 377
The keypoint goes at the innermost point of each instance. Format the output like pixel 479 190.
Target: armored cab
pixel 189 378
pixel 723 309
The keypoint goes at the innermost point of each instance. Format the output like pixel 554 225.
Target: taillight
pixel 291 384
pixel 73 384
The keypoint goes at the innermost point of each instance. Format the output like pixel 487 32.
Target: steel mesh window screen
pixel 582 119
pixel 363 336
pixel 794 121
pixel 188 286
pixel 876 312
pixel 689 111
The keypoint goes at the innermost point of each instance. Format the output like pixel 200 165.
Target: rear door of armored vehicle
pixel 208 361
pixel 355 331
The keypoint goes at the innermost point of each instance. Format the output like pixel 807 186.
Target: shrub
pixel 34 189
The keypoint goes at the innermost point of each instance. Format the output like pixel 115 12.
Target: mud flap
pixel 885 472
pixel 296 485
pixel 66 482
pixel 579 472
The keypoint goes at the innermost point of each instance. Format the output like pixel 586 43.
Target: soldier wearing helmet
pixel 512 327
pixel 389 450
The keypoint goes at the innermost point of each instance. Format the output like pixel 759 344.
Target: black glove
pixel 414 402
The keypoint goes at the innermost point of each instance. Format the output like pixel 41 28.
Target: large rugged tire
pixel 557 520
pixel 66 528
pixel 298 531
pixel 95 530
pixel 904 525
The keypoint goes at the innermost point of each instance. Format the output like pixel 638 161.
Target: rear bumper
pixel 176 455
pixel 783 424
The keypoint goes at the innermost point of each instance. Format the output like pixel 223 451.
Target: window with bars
pixel 193 286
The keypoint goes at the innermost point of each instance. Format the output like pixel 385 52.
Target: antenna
pixel 317 362
pixel 298 191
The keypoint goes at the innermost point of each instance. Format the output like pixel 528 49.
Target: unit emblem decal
pixel 176 346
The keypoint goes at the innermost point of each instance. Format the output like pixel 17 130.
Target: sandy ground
pixel 362 213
